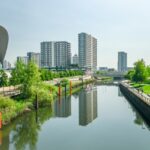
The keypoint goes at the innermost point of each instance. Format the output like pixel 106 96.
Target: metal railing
pixel 145 98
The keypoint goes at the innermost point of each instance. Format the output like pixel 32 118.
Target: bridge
pixel 114 75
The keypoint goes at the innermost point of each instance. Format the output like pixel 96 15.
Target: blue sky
pixel 119 25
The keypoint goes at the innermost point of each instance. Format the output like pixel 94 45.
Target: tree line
pixel 140 72
pixel 30 73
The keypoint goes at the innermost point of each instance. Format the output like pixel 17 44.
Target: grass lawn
pixel 143 87
pixel 146 89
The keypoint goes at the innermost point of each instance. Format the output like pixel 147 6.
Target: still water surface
pixel 96 118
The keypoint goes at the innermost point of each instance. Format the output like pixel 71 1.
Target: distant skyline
pixel 119 25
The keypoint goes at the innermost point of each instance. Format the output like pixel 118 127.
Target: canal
pixel 95 118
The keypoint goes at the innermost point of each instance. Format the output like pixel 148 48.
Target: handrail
pixel 142 96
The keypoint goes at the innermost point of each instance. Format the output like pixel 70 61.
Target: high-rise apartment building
pixel 35 57
pixel 75 59
pixel 87 50
pixel 24 59
pixel 62 54
pixel 6 64
pixel 122 61
pixel 55 54
pixel 47 54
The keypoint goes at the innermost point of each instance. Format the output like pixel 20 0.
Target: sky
pixel 118 25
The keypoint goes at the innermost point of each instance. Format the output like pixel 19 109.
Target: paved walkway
pixel 11 90
pixel 144 97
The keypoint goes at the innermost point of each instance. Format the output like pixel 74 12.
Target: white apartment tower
pixel 75 59
pixel 62 54
pixel 87 50
pixel 35 57
pixel 47 54
pixel 24 59
pixel 55 54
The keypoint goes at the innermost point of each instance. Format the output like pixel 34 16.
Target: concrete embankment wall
pixel 137 101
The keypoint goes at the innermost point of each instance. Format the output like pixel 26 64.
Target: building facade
pixel 87 50
pixel 62 54
pixel 47 54
pixel 35 57
pixel 75 59
pixel 55 54
pixel 122 61
pixel 24 59
pixel 6 64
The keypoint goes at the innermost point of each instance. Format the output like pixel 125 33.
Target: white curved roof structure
pixel 3 43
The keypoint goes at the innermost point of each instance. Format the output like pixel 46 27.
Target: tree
pixel 64 82
pixel 3 78
pixel 148 71
pixel 141 73
pixel 130 74
pixel 31 81
pixel 18 74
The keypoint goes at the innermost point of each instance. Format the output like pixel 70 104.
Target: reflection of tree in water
pixel 5 136
pixel 24 131
pixel 138 120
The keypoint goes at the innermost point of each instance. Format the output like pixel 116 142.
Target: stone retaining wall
pixel 139 100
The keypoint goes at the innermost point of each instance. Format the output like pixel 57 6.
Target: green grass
pixel 11 109
pixel 142 86
pixel 146 89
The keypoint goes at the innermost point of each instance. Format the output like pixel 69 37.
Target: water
pixel 96 118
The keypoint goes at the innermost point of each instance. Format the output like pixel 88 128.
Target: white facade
pixel 47 54
pixel 35 57
pixel 75 59
pixel 62 54
pixel 24 59
pixel 55 54
pixel 6 64
pixel 87 50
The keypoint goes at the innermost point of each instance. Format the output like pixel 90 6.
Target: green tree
pixel 3 78
pixel 64 82
pixel 141 73
pixel 148 71
pixel 18 74
pixel 130 74
pixel 31 81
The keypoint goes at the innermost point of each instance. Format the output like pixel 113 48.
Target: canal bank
pixel 12 108
pixel 140 100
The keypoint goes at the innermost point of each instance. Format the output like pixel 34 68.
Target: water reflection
pixel 87 105
pixel 62 107
pixel 119 92
pixel 22 133
pixel 34 130
pixel 4 141
pixel 139 120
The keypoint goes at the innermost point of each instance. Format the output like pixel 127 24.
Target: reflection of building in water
pixel 87 106
pixel 62 107
pixel 119 92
